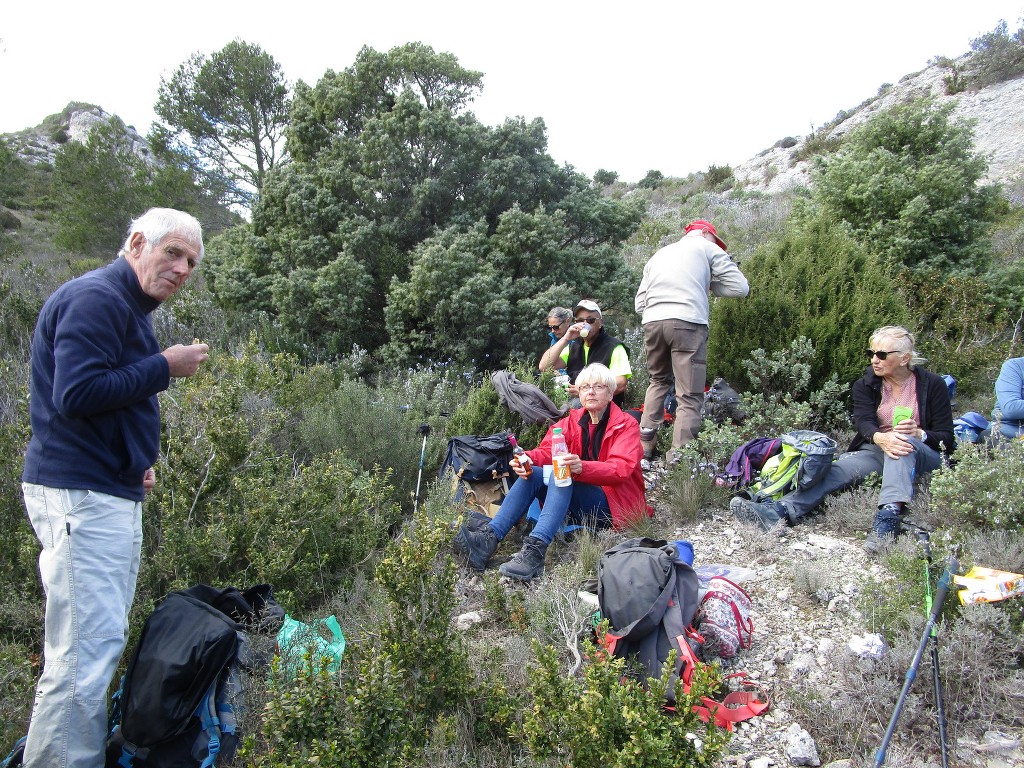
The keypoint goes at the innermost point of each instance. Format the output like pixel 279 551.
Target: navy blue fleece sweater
pixel 96 373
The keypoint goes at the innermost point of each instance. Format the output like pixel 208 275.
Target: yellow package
pixel 987 585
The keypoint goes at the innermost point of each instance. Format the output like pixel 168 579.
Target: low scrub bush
pixel 979 660
pixel 604 720
pixel 845 294
pixel 982 488
pixel 399 686
pixel 232 507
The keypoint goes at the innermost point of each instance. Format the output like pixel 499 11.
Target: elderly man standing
pixel 96 373
pixel 673 302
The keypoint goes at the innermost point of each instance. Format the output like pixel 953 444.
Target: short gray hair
pixel 157 223
pixel 561 314
pixel 597 373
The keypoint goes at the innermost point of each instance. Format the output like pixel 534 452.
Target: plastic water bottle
pixel 519 456
pixel 559 449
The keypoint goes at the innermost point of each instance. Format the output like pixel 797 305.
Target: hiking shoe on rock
pixel 476 540
pixel 528 562
pixel 649 441
pixel 770 515
pixel 884 529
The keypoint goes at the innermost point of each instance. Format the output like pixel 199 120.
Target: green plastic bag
pixel 295 637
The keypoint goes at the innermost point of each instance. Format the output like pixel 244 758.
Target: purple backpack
pixel 748 459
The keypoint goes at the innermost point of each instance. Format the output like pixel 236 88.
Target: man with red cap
pixel 673 302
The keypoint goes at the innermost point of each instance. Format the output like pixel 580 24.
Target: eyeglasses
pixel 594 387
pixel 880 354
pixel 590 320
pixel 554 327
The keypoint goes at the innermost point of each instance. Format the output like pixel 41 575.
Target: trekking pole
pixel 424 429
pixel 940 707
pixel 941 590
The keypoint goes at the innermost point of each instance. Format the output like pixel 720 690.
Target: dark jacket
pixel 600 351
pixel 932 405
pixel 96 373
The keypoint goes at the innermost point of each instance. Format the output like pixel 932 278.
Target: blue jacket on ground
pixel 96 373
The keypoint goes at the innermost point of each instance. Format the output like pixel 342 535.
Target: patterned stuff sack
pixel 723 619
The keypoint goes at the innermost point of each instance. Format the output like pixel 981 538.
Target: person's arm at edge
pixel 1009 389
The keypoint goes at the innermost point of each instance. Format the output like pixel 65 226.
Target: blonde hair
pixel 902 341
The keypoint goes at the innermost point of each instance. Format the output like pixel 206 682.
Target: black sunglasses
pixel 554 327
pixel 881 355
pixel 590 320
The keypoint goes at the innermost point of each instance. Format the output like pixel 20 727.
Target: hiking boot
pixel 884 529
pixel 770 515
pixel 477 541
pixel 528 562
pixel 649 441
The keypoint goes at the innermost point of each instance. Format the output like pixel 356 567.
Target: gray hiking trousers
pixel 898 476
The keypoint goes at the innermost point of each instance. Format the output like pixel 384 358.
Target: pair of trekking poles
pixel 933 606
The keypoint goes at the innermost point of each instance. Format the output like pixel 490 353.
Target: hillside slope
pixel 997 112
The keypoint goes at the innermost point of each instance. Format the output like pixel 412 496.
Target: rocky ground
pixel 806 586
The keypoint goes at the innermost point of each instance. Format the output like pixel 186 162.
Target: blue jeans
pixel 89 565
pixel 580 503
pixel 850 468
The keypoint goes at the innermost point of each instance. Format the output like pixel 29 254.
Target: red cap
pixel 706 226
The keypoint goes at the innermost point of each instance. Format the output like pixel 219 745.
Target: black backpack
pixel 649 597
pixel 178 698
pixel 478 468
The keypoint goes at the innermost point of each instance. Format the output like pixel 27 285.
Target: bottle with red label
pixel 520 457
pixel 563 475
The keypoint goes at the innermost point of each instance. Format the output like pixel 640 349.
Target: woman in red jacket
pixel 607 484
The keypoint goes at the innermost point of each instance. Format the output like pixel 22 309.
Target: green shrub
pixel 17 679
pixel 982 488
pixel 997 56
pixel 607 721
pixel 719 177
pixel 230 507
pixel 844 294
pixel 652 180
pixel 396 686
pixel 962 332
pixel 483 413
pixel 907 182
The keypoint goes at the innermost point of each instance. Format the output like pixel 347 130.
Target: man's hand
pixel 184 360
pixel 149 480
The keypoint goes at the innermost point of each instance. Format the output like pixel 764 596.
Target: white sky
pixel 627 86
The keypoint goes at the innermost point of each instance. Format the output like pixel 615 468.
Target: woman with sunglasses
pixel 904 422
pixel 607 484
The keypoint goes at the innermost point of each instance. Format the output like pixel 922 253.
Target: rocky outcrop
pixel 39 145
pixel 996 111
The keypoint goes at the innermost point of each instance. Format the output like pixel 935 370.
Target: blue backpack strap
pixel 115 709
pixel 127 755
pixel 16 755
pixel 210 723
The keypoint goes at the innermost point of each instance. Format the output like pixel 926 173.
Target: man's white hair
pixel 157 223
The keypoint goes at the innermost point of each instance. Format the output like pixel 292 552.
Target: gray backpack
pixel 649 596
